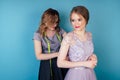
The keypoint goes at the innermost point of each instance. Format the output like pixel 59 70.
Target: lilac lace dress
pixel 79 51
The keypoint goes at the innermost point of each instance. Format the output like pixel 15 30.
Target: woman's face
pixel 78 21
pixel 52 22
pixel 51 26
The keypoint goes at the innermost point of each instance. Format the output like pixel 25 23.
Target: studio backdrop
pixel 19 19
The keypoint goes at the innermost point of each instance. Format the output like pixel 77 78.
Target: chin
pixel 78 29
pixel 52 29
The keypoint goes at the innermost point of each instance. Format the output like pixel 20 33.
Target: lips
pixel 77 26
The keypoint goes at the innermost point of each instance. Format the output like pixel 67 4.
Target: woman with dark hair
pixel 78 46
pixel 47 40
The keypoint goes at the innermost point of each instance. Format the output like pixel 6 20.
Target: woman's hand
pixel 90 64
pixel 92 57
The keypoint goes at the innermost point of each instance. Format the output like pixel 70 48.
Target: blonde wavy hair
pixel 49 17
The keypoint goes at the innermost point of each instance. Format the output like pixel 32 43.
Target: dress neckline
pixel 79 38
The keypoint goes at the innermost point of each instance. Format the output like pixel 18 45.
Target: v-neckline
pixel 51 37
pixel 79 38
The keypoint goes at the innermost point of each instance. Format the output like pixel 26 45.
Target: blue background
pixel 19 19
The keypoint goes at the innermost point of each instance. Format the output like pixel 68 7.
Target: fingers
pixel 91 64
pixel 94 64
pixel 92 57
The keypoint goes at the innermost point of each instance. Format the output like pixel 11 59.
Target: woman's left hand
pixel 92 57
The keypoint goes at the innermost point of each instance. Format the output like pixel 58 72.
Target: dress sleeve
pixel 67 39
pixel 37 36
pixel 62 31
pixel 89 35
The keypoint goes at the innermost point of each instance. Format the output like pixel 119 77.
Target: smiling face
pixel 78 21
pixel 79 17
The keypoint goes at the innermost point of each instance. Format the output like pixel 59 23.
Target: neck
pixel 80 32
pixel 81 35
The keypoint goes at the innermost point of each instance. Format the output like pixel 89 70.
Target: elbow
pixel 38 57
pixel 60 64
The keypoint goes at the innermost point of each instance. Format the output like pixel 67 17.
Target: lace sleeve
pixel 89 35
pixel 67 39
pixel 65 45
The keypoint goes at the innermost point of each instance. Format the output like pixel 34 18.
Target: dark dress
pixel 45 69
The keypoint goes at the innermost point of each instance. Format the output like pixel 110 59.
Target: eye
pixel 72 20
pixel 79 19
pixel 57 22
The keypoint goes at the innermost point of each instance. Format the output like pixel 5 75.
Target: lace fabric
pixel 78 50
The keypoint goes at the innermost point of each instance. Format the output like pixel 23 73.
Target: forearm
pixel 46 56
pixel 69 64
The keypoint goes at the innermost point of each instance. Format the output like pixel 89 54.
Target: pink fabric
pixel 79 51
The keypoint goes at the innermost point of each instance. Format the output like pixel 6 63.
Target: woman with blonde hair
pixel 47 40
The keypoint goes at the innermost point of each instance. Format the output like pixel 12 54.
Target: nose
pixel 55 24
pixel 77 22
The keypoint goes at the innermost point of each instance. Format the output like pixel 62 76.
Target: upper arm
pixel 64 34
pixel 64 48
pixel 90 35
pixel 37 43
pixel 37 47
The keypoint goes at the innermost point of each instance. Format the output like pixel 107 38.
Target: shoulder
pixel 61 31
pixel 89 35
pixel 37 36
pixel 68 36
